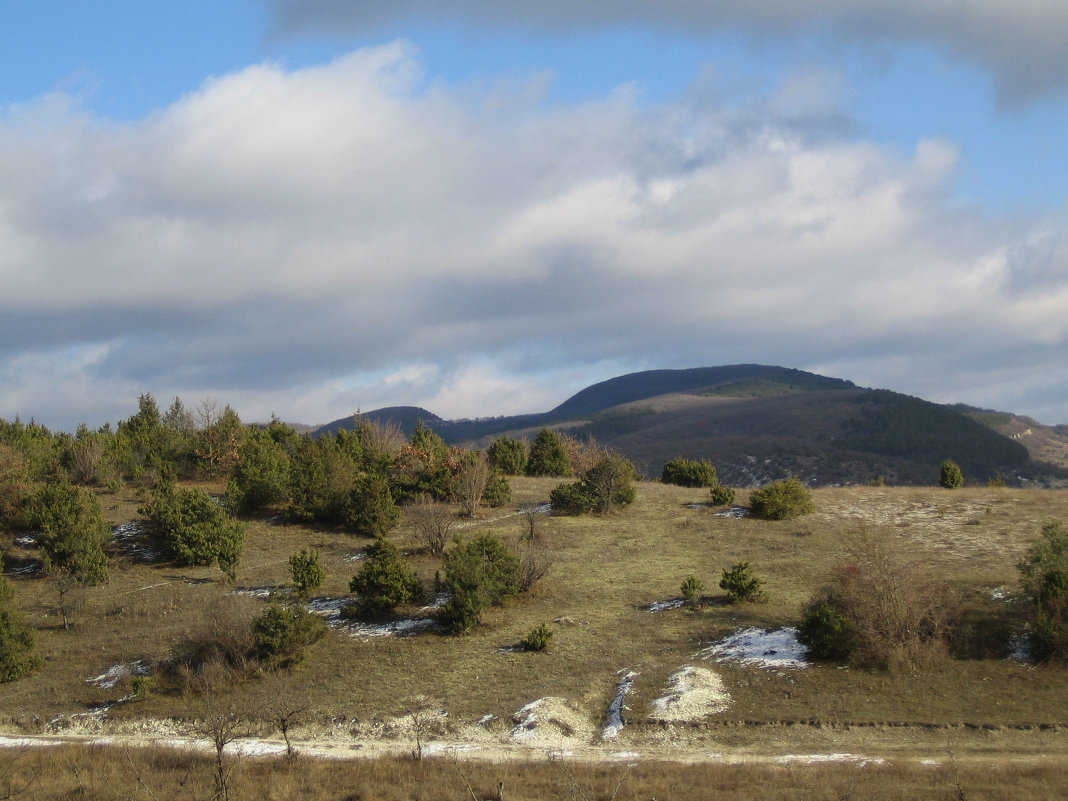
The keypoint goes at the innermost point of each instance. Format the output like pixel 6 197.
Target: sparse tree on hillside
pixel 71 531
pixel 951 476
pixel 879 611
pixel 384 581
pixel 18 646
pixel 509 456
pixel 195 529
pixel 218 439
pixel 548 457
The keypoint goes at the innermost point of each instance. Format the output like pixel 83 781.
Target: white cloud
pixel 352 235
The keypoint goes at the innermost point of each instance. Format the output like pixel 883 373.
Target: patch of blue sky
pixel 122 59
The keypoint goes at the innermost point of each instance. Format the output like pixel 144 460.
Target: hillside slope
pixel 759 423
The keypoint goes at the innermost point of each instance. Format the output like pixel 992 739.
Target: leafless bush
pixel 220 722
pixel 898 614
pixel 385 438
pixel 432 523
pixel 471 482
pixel 223 641
pixel 535 561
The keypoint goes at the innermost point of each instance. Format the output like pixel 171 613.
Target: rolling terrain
pixel 482 704
pixel 759 423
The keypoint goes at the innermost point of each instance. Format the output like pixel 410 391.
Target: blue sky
pixel 307 207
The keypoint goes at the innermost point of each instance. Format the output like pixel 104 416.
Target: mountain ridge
pixel 759 422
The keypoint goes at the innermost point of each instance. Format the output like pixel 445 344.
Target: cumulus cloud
pixel 1020 43
pixel 311 241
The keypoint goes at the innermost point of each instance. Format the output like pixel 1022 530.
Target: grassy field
pixel 606 571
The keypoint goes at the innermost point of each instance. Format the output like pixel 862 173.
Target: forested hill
pixel 758 423
pixel 732 380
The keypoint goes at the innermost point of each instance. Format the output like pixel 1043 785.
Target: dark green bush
pixel 741 584
pixel 721 495
pixel 478 574
pixel 371 509
pixel 689 473
pixel 951 476
pixel 548 456
pixel 70 531
pixel 571 499
pixel 1044 579
pixel 538 638
pixel 281 632
pixel 498 492
pixel 692 589
pixel 384 581
pixel 826 630
pixel 18 646
pixel 261 477
pixel 607 484
pixel 193 528
pixel 781 500
pixel 509 456
pixel 307 571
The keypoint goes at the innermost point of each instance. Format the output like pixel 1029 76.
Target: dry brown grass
pixel 162 775
pixel 606 569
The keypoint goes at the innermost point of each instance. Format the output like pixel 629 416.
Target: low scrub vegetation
pixel 606 485
pixel 384 581
pixel 193 528
pixel 1044 580
pixel 741 585
pixel 689 473
pixel 781 500
pixel 879 611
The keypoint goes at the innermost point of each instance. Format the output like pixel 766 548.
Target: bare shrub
pixel 220 722
pixel 471 481
pixel 881 607
pixel 432 523
pixel 222 641
pixel 535 561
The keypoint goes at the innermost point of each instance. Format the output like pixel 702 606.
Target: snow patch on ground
pixel 1002 593
pixel 258 592
pixel 663 606
pixel 116 673
pixel 691 694
pixel 776 648
pixel 330 609
pixel 135 542
pixel 613 724
pixel 733 512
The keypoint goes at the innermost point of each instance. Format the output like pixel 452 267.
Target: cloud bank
pixel 352 235
pixel 1020 43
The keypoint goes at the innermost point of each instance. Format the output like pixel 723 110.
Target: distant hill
pixel 758 423
pixel 406 417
